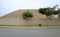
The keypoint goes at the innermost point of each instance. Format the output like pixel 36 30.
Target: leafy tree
pixel 54 7
pixel 27 16
pixel 48 11
pixel 58 12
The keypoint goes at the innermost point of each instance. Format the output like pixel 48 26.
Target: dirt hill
pixel 18 13
pixel 15 18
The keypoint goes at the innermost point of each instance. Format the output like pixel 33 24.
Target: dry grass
pixel 17 26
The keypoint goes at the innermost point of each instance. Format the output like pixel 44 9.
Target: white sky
pixel 7 6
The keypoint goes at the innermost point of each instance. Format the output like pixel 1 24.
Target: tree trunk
pixel 49 17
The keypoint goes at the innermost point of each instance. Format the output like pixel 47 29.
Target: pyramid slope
pixel 18 13
pixel 15 18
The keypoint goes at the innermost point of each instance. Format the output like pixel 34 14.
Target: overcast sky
pixel 7 6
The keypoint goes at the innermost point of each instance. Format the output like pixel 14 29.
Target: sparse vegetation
pixel 27 16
